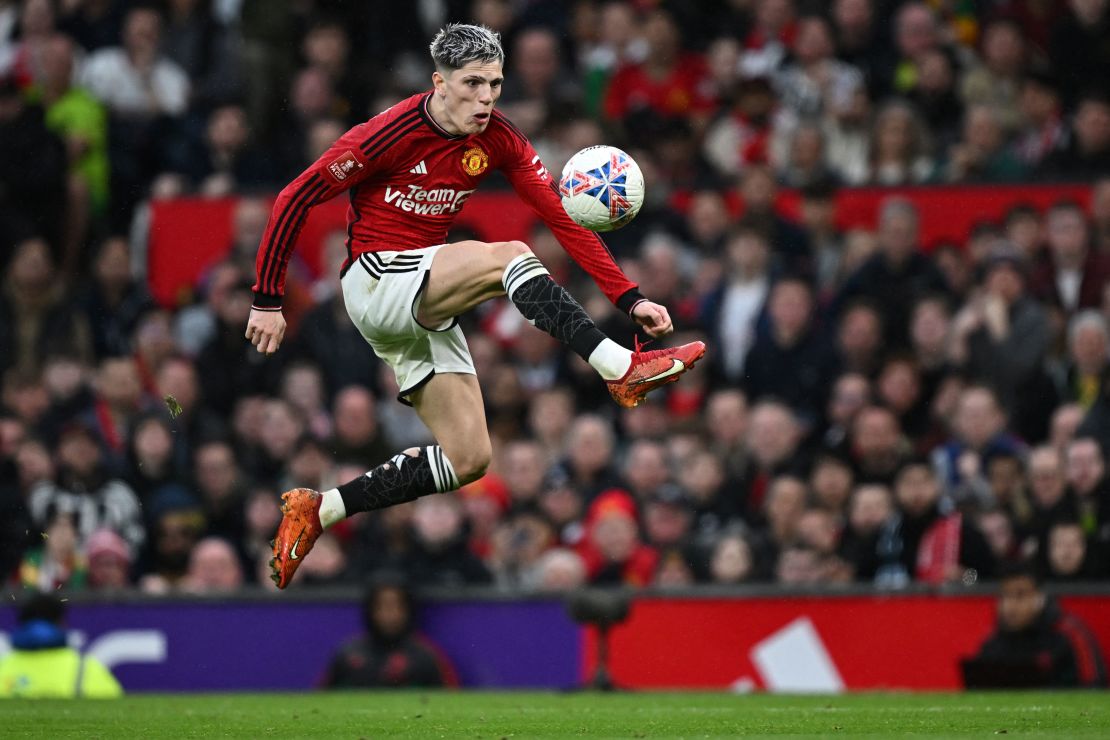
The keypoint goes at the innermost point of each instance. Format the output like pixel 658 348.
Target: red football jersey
pixel 407 179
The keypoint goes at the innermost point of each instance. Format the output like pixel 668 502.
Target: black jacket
pixel 1057 643
pixel 369 663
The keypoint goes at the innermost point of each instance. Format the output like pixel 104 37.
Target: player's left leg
pixel 465 274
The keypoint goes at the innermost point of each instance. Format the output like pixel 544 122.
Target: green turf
pixel 534 715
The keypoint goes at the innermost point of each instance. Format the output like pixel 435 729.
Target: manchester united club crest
pixel 475 161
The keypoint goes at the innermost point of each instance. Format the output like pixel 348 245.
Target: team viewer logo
pixel 341 168
pixel 475 161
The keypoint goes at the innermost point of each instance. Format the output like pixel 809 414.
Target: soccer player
pixel 408 171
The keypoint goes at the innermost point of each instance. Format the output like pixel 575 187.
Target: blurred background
pixel 890 221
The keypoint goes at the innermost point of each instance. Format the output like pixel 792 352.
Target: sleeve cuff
pixel 629 299
pixel 264 302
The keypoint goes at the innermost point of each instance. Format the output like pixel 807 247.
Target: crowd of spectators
pixel 873 409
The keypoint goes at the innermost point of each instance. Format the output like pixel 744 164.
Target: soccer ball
pixel 602 188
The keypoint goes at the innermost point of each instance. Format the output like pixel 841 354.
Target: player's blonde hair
pixel 458 44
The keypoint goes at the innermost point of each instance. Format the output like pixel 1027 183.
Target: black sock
pixel 548 306
pixel 401 479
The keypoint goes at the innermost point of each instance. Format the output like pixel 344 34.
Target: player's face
pixel 469 94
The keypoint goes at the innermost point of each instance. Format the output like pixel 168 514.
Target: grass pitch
pixel 543 715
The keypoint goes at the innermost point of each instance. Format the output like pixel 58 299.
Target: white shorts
pixel 382 291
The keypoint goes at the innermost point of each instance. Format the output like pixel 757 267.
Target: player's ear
pixel 439 82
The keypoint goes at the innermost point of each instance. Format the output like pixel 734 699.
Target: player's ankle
pixel 332 508
pixel 610 360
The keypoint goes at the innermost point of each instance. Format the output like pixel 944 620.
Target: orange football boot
pixel 650 370
pixel 297 533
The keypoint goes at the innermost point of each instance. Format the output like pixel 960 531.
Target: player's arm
pixel 343 165
pixel 535 186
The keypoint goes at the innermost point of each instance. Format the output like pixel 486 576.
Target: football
pixel 602 188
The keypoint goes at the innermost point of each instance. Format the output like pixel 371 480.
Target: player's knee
pixel 471 463
pixel 508 251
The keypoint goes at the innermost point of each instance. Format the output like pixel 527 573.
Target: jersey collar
pixel 427 116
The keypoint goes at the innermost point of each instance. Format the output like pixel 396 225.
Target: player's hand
pixel 265 330
pixel 654 318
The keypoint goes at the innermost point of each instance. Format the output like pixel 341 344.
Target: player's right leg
pixel 451 406
pixel 465 274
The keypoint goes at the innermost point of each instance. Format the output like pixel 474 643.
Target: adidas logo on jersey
pixel 420 169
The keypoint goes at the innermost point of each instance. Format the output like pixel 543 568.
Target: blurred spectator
pixel 613 552
pixel 789 243
pixel 536 85
pixel 870 510
pixel 439 556
pixel 59 562
pixel 899 148
pixel 936 98
pixel 770 38
pixel 221 491
pixel 517 546
pixel 732 560
pixel 995 83
pixel 1002 336
pixel 898 274
pixel 213 568
pixel 1086 473
pixel 731 311
pixel 32 173
pixel 916 32
pixel 928 541
pixel 1042 129
pixel 1069 554
pixel 109 561
pixel 783 508
pixel 42 666
pixel 1051 501
pixel 590 447
pixel 667 82
pixel 1035 643
pixel 1100 214
pixel 114 300
pixel 859 338
pixel 85 490
pixel 226 161
pixel 1072 276
pixel 982 154
pixel 1087 154
pixel 1084 375
pixel 740 136
pixel 230 366
pixel 979 427
pixel 790 360
pixel 82 123
pixel 998 529
pixel 151 460
pixel 560 570
pixel 176 525
pixel 860 40
pixel 36 319
pixel 134 80
pixel 357 435
pixel 877 445
pixel 392 654
pixel 817 83
pixel 1076 45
